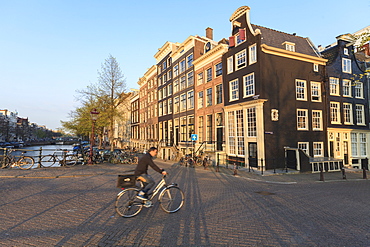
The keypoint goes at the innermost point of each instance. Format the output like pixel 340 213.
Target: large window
pixel 230 65
pixel 301 90
pixel 252 54
pixel 316 91
pixel 335 112
pixel 209 96
pixel 334 86
pixel 317 120
pixel 165 107
pixel 219 94
pixel 232 132
pixel 346 65
pixel 240 132
pixel 176 70
pixel 183 129
pixel 218 69
pixel 302 119
pixel 170 106
pixel 241 59
pixel 176 86
pixel 200 129
pixel 191 100
pixel 354 144
pixel 209 128
pixel 190 79
pixel 363 144
pixel 359 92
pixel 183 102
pixel 209 74
pixel 182 82
pixel 347 88
pixel 189 60
pixel 177 104
pixel 318 149
pixel 347 113
pixel 252 122
pixel 200 100
pixel 182 66
pixel 248 85
pixel 234 90
pixel 360 115
pixel 200 78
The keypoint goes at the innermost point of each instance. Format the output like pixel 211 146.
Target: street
pixel 75 207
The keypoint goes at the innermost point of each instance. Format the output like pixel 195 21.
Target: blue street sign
pixel 194 137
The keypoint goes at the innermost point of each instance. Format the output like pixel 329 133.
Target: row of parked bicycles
pixel 198 160
pixel 12 158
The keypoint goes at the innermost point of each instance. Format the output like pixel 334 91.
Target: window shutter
pixel 242 34
pixel 231 41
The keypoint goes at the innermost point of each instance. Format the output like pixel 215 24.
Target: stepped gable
pixel 276 39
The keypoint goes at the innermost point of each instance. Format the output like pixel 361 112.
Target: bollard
pixel 218 163
pixel 321 173
pixel 235 170
pixel 343 173
pixel 364 175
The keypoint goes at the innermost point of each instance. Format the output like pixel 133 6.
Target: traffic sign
pixel 194 137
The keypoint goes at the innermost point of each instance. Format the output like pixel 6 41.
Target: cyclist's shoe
pixel 142 196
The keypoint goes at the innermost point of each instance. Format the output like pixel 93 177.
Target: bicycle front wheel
pixel 48 160
pixel 25 163
pixel 171 199
pixel 127 205
pixel 70 160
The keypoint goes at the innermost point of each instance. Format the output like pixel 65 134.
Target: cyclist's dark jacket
pixel 142 166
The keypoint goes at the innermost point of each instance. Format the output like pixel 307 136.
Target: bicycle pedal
pixel 148 204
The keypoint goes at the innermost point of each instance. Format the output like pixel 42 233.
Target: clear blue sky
pixel 51 48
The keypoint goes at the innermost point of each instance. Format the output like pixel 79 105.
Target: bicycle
pixel 23 162
pixel 171 198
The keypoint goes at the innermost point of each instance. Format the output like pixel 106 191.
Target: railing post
pixel 235 169
pixel 364 175
pixel 261 166
pixel 40 156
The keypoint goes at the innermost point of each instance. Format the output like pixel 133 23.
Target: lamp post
pixel 94 116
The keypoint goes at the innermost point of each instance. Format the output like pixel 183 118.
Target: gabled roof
pixel 276 39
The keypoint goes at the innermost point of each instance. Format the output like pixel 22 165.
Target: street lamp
pixel 94 116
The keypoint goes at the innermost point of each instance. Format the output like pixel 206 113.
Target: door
pixel 219 140
pixel 291 159
pixel 252 154
pixel 345 152
pixel 331 149
pixel 177 136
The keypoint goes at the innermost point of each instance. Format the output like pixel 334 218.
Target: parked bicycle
pixel 12 161
pixel 171 197
pixel 63 158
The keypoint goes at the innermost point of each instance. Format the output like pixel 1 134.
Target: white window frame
pixel 183 100
pixel 363 144
pixel 335 112
pixel 241 59
pixel 301 90
pixel 190 99
pixel 190 78
pixel 252 54
pixel 346 88
pixel 200 78
pixel 347 113
pixel 249 85
pixel 234 87
pixel 315 67
pixel 318 149
pixel 230 64
pixel 182 66
pixel 315 91
pixel 305 146
pixel 334 86
pixel 346 65
pixel 360 114
pixel 359 90
pixel 317 120
pixel 200 99
pixel 218 69
pixel 302 119
pixel 189 61
pixel 175 70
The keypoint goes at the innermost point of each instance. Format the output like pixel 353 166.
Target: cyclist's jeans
pixel 148 182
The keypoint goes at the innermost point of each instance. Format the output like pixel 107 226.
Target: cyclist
pixel 141 172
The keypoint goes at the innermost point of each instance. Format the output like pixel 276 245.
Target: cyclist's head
pixel 153 151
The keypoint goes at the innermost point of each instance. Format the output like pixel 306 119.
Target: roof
pixel 276 39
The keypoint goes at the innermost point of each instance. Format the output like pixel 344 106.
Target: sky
pixel 51 48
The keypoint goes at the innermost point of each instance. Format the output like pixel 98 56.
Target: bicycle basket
pixel 126 181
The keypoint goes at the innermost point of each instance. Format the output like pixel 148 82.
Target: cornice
pixel 245 104
pixel 293 55
pixel 208 57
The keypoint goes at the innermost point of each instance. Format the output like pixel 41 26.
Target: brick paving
pixel 75 207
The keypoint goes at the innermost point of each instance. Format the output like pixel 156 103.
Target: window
pixel 248 85
pixel 240 132
pixel 334 86
pixel 169 74
pixel 209 128
pixel 169 89
pixel 354 144
pixel 234 90
pixel 177 104
pixel 239 39
pixel 347 88
pixel 200 78
pixel 164 91
pixel 209 96
pixel 170 106
pixel 302 119
pixel 301 92
pixel 230 65
pixel 200 129
pixel 189 60
pixel 209 74
pixel 219 94
pixel 231 126
pixel 289 46
pixel 190 79
pixel 252 54
pixel 183 102
pixel 191 100
pixel 346 65
pixel 164 78
pixel 176 86
pixel 165 107
pixel 183 129
pixel 316 120
pixel 200 100
pixel 347 113
pixel 252 122
pixel 190 126
pixel 359 92
pixel 315 67
pixel 363 144
pixel 241 59
pixel 218 69
pixel 182 82
pixel 304 146
pixel 360 115
pixel 176 70
pixel 160 94
pixel 335 112
pixel 316 91
pixel 318 149
pixel 182 66
pixel 160 109
pixel 345 51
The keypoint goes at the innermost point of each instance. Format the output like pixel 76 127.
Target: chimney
pixel 209 33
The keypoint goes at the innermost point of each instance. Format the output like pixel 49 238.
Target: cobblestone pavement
pixel 75 207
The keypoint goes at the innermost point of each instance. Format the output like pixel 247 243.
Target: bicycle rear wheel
pixel 70 160
pixel 171 199
pixel 48 160
pixel 25 163
pixel 127 205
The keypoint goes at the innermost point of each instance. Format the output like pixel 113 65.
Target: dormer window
pixel 289 46
pixel 345 51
